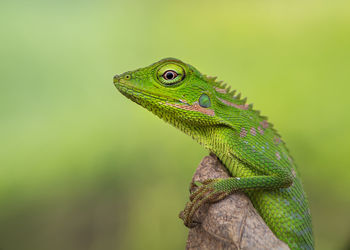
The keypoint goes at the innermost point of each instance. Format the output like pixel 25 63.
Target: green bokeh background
pixel 82 167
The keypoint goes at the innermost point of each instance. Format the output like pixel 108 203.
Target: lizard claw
pixel 206 193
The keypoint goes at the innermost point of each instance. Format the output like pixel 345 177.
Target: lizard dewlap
pixel 245 142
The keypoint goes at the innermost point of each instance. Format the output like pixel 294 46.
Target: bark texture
pixel 232 223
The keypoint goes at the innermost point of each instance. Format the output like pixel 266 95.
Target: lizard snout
pixel 115 78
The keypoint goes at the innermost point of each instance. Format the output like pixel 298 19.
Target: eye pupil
pixel 170 75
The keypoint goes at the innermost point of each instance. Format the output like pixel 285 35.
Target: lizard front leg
pixel 213 190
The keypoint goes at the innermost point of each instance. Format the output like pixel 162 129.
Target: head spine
pixel 231 96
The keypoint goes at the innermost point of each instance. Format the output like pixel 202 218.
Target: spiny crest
pixel 236 98
pixel 221 85
pixel 231 94
pixel 226 91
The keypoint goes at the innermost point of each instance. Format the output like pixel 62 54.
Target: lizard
pixel 247 144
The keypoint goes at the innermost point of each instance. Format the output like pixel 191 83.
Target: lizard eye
pixel 169 75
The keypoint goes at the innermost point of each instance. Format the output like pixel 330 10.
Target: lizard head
pixel 174 91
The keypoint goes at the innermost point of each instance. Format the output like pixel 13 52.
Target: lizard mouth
pixel 138 95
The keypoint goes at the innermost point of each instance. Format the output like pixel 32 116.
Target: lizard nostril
pixel 115 78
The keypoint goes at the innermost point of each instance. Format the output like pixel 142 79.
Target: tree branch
pixel 232 223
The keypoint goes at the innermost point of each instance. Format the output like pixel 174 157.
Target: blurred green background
pixel 83 168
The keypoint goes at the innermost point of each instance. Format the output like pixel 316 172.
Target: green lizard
pixel 242 139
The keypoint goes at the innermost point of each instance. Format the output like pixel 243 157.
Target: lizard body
pixel 248 145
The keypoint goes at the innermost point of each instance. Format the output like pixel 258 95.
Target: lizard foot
pixel 206 193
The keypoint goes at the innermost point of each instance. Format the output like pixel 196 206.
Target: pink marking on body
pixel 264 124
pixel 253 131
pixel 243 133
pixel 290 159
pixel 278 156
pixel 245 106
pixel 261 131
pixel 294 173
pixel 276 140
pixel 194 107
pixel 222 91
